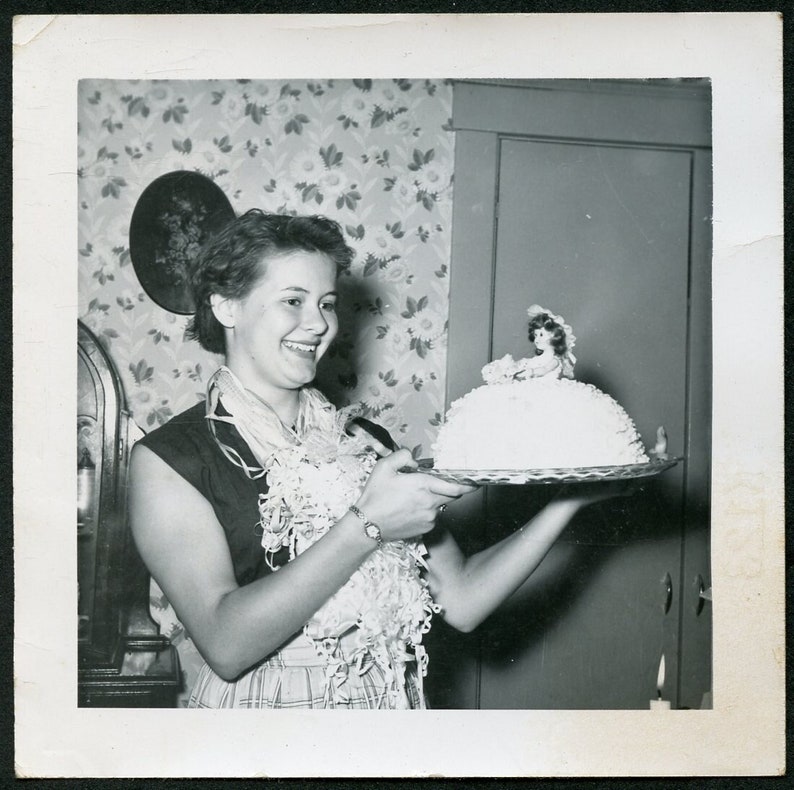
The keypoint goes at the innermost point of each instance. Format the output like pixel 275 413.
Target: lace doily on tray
pixel 549 476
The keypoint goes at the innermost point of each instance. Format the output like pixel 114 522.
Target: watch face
pixel 372 532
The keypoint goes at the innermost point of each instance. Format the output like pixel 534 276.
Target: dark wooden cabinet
pixel 593 200
pixel 122 658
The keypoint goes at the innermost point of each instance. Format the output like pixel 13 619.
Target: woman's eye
pixel 293 301
pixel 329 306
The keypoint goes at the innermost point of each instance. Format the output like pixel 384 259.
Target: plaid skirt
pixel 297 677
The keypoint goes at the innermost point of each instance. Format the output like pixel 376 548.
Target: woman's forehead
pixel 297 265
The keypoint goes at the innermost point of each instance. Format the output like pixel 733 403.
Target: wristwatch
pixel 371 529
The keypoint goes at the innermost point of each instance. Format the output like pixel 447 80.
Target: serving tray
pixel 548 476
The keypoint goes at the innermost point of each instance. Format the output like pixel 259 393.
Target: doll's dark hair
pixel 230 263
pixel 545 321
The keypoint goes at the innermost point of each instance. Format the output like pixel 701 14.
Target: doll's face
pixel 542 339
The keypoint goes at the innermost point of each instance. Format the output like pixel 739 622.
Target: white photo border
pixel 741 53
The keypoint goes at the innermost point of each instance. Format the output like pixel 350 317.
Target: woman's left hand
pixel 585 494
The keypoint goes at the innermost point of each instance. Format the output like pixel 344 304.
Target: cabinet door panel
pixel 602 213
pixel 599 234
pixel 589 627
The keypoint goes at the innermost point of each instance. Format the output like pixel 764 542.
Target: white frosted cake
pixel 531 414
pixel 537 424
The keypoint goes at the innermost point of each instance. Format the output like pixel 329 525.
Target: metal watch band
pixel 371 529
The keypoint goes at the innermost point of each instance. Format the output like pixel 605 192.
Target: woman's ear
pixel 223 308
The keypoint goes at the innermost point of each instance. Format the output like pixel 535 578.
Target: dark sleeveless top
pixel 187 446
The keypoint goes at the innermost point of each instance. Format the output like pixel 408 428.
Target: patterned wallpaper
pixel 375 155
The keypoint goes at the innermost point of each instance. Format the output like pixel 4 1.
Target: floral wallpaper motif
pixel 375 155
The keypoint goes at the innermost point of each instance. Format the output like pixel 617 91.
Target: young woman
pixel 290 545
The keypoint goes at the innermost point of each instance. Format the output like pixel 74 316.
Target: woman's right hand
pixel 405 505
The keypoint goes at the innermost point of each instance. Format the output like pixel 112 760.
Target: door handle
pixel 667 581
pixel 703 594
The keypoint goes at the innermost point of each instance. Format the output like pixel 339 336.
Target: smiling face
pixel 276 335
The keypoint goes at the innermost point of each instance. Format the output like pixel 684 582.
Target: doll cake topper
pixel 553 340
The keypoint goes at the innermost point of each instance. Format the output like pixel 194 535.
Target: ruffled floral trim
pixel 386 600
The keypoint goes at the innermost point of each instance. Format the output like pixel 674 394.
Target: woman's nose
pixel 314 321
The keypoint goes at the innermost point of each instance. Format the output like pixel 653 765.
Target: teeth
pixel 298 346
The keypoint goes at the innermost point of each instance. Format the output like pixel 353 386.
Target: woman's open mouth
pixel 306 349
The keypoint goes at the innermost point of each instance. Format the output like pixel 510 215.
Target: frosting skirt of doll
pixel 537 424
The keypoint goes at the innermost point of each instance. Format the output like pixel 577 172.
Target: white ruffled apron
pixel 363 647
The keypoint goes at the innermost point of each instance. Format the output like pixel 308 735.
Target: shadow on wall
pixel 337 374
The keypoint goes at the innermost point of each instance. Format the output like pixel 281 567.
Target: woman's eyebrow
pixel 299 289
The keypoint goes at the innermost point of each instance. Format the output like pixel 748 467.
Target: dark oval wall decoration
pixel 174 216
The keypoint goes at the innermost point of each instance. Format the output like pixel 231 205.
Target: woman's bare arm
pixel 470 588
pixel 184 546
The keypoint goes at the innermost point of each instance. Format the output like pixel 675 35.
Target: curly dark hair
pixel 229 264
pixel 544 321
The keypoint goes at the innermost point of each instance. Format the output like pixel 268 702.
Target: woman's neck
pixel 284 402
